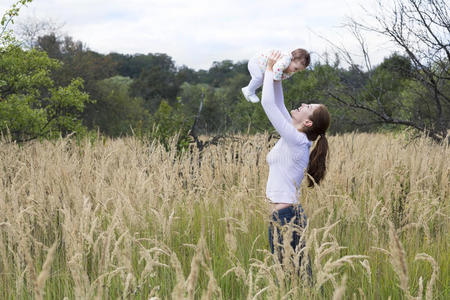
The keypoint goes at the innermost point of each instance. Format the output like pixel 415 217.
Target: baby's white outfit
pixel 257 66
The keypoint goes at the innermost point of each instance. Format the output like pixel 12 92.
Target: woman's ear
pixel 307 123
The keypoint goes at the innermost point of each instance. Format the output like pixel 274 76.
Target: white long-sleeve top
pixel 289 158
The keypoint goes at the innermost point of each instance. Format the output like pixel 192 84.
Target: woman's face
pixel 300 116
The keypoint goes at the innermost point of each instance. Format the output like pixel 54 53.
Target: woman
pixel 290 156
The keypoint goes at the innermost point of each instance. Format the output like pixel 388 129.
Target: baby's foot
pixel 250 97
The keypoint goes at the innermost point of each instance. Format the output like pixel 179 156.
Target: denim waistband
pixel 290 210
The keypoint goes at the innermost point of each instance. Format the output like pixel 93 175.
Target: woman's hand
pixel 274 56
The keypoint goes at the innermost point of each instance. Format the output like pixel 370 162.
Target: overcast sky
pixel 198 32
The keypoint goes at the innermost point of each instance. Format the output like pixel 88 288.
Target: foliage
pixel 78 61
pixel 171 121
pixel 420 29
pixel 115 112
pixel 403 90
pixel 220 71
pixel 133 65
pixel 25 72
pixel 156 82
pixel 6 37
pixel 31 106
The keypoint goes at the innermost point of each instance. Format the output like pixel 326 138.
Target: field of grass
pixel 126 219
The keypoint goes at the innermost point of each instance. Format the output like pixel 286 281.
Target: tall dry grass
pixel 126 219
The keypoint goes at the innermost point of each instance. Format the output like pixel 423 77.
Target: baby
pixel 284 68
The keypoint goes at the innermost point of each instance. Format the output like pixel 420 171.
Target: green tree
pixel 420 29
pixel 115 112
pixel 386 82
pixel 6 37
pixel 132 65
pixel 31 106
pixel 78 61
pixel 169 121
pixel 312 86
pixel 239 113
pixel 223 70
pixel 185 74
pixel 156 82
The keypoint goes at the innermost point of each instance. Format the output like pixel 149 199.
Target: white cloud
pixel 197 32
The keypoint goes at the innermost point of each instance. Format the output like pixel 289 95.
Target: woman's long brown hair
pixel 317 160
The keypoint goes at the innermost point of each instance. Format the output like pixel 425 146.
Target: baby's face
pixel 295 66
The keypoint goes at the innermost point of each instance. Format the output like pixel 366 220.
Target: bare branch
pixel 29 30
pixel 430 31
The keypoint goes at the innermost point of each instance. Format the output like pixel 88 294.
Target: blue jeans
pixel 283 217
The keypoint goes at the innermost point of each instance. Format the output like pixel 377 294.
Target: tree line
pixel 55 86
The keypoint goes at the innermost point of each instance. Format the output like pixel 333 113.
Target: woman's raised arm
pixel 279 101
pixel 269 102
pixel 276 117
